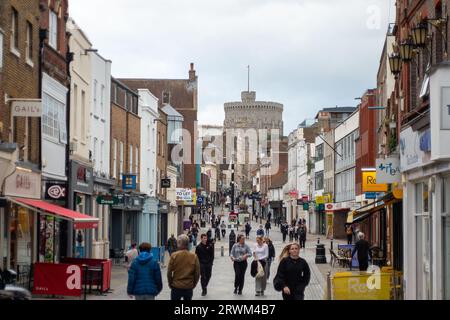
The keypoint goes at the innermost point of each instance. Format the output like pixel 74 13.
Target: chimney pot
pixel 192 66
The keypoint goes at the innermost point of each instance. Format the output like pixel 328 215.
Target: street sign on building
pixel 388 170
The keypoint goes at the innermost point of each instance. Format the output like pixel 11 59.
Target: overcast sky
pixel 305 54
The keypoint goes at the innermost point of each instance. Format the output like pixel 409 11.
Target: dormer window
pixel 166 97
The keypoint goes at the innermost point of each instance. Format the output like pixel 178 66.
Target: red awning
pixel 80 220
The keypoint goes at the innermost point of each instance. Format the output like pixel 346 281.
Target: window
pixel 83 111
pixel 102 101
pixel 125 101
pixel 29 44
pixel 131 159
pixel 319 152
pixel 53 118
pixel 75 108
pixel 159 144
pixel 15 31
pixel 136 164
pixel 102 146
pixel 53 30
pixel 115 159
pixel 95 97
pixel 1 50
pixel 319 180
pixel 166 97
pixel 94 156
pixel 121 160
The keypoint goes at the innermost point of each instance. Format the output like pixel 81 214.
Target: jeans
pixel 349 238
pixel 177 294
pixel 302 242
pixel 269 262
pixel 239 274
pixel 284 237
pixel 223 233
pixel 144 297
pixel 205 274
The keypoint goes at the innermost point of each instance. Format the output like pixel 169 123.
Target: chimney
pixel 192 73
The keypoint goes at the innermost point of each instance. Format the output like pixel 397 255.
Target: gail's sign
pixel 26 108
pixel 24 185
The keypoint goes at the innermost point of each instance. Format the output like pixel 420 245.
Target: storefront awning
pixel 358 216
pixel 80 220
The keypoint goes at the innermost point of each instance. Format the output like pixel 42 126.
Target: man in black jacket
pixel 205 254
pixel 363 248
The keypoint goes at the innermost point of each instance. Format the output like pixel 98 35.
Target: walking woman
pixel 271 255
pixel 239 255
pixel 293 274
pixel 261 254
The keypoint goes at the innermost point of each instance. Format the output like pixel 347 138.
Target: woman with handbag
pixel 261 254
pixel 293 274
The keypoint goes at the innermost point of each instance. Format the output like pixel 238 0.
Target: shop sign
pixel 107 200
pixel 27 108
pixel 299 202
pixel 183 194
pixel 370 195
pixel 55 191
pixel 305 198
pixel 329 206
pixel 365 286
pixel 305 206
pixel 388 170
pixel 82 178
pixel 369 182
pixel 415 149
pixel 24 185
pixel 57 279
pixel 320 200
pixel 165 183
pixel 129 181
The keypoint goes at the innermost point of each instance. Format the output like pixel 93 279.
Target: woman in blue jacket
pixel 144 275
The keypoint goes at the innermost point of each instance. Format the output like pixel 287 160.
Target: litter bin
pixel 320 254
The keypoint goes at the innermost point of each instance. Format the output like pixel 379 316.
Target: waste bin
pixel 320 254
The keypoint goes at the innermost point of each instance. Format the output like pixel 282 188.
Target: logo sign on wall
pixel 55 191
pixel 57 279
pixel 388 170
pixel 369 182
pixel 165 183
pixel 27 108
pixel 129 181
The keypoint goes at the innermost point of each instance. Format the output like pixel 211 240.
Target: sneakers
pixel 257 294
pixel 204 292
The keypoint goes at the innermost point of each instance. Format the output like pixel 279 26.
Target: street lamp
pixel 419 34
pixel 395 62
pixel 406 50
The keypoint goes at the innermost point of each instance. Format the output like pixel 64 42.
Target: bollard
pixel 318 240
pixel 221 251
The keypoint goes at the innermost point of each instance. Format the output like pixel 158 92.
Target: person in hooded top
pixel 144 275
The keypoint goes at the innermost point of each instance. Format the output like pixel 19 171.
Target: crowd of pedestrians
pixel 191 262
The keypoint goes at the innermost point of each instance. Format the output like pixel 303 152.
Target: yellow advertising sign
pixel 369 182
pixel 365 286
pixel 320 200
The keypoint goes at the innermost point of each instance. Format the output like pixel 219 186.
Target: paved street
pixel 221 285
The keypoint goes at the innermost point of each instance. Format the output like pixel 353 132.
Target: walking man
pixel 267 227
pixel 239 255
pixel 302 236
pixel 223 227
pixel 144 275
pixel 183 271
pixel 171 244
pixel 131 255
pixel 232 240
pixel 205 254
pixel 248 227
pixel 349 232
pixel 284 230
pixel 362 246
pixel 260 231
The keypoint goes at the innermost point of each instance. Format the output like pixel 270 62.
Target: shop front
pixel 124 229
pixel 81 188
pixel 163 212
pixel 336 218
pixel 148 221
pixel 18 238
pixel 101 209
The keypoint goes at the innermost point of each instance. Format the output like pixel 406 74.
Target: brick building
pixel 19 135
pixel 124 162
pixel 182 95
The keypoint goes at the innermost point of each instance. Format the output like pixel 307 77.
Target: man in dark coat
pixel 205 254
pixel 362 246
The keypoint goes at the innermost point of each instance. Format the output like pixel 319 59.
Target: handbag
pixel 260 273
pixel 277 283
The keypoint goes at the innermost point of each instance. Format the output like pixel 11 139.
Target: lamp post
pixel 395 62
